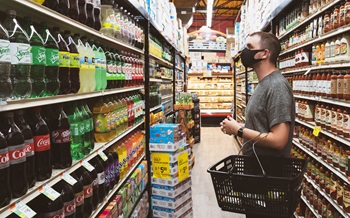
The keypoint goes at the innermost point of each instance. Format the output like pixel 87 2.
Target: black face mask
pixel 247 57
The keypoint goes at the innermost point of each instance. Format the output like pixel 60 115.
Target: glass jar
pixel 336 16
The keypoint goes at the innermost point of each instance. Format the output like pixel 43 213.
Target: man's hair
pixel 269 41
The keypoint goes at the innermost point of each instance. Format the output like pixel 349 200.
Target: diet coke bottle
pixel 68 197
pixel 79 196
pixel 5 193
pixel 85 179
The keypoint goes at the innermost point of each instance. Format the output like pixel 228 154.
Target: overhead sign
pixel 206 39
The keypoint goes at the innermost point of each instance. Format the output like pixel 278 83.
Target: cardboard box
pixel 171 191
pixel 166 182
pixel 172 203
pixel 172 213
pixel 167 146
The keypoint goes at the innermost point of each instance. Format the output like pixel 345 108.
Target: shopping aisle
pixel 214 147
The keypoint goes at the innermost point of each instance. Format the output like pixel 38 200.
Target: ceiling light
pixel 209 12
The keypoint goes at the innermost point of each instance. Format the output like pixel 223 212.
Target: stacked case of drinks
pixel 171 186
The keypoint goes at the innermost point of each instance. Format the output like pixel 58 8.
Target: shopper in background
pixel 270 112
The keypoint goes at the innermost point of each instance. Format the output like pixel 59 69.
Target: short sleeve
pixel 280 104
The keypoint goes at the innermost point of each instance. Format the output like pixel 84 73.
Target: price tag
pixel 161 165
pixel 49 192
pixel 88 166
pixel 22 210
pixel 182 164
pixel 103 155
pixel 69 179
pixel 317 130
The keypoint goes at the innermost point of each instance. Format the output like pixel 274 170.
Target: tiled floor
pixel 214 146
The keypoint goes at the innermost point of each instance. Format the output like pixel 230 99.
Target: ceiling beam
pixel 219 8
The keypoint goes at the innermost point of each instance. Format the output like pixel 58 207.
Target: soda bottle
pixel 97 68
pixel 52 62
pixel 61 141
pixel 20 57
pixel 109 69
pixel 117 22
pixel 106 173
pixel 103 68
pixel 87 129
pixel 101 121
pixel 38 54
pixel 119 117
pixel 5 189
pixel 97 164
pixel 91 120
pixel 107 17
pixel 83 58
pixel 42 146
pixel 90 13
pixel 111 166
pixel 77 130
pixel 73 11
pixel 116 166
pixel 63 7
pixel 74 63
pixel 53 4
pixel 68 197
pixel 29 147
pixel 79 196
pixel 45 207
pixel 64 71
pixel 40 2
pixel 17 155
pixel 82 11
pixel 5 65
pixel 91 66
pixel 97 14
pixel 111 117
pixel 86 181
pixel 95 199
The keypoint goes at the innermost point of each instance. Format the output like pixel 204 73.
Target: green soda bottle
pixel 87 129
pixel 91 131
pixel 77 130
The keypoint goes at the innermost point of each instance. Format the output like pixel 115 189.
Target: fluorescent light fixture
pixel 209 12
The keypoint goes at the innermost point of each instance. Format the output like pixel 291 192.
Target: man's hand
pixel 230 126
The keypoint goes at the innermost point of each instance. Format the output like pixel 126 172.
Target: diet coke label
pixel 61 136
pixel 88 191
pixel 55 214
pixel 4 158
pixel 69 208
pixel 42 143
pixel 79 198
pixel 29 145
pixel 17 154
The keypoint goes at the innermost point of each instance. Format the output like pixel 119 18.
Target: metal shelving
pixel 161 61
pixel 311 208
pixel 156 108
pixel 342 103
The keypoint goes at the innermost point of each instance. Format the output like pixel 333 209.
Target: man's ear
pixel 266 54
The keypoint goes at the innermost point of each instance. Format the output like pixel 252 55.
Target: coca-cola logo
pixel 18 154
pixel 29 148
pixel 42 143
pixel 69 208
pixel 79 199
pixel 88 191
pixel 4 160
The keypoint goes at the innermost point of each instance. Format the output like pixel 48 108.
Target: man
pixel 271 109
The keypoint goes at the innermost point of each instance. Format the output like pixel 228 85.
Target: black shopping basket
pixel 241 186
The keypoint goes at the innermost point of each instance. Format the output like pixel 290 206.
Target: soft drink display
pixel 101 122
pixel 105 165
pixel 5 189
pixel 98 73
pixel 63 7
pixel 5 65
pixel 86 181
pixel 95 195
pixel 97 14
pixel 74 63
pixel 103 67
pixel 82 11
pixel 53 4
pixel 73 11
pixel 87 147
pixel 20 57
pixel 97 164
pixel 68 197
pixel 29 147
pixel 52 62
pixel 45 207
pixel 83 73
pixel 17 155
pixel 91 80
pixel 79 196
pixel 77 130
pixel 42 147
pixel 90 13
pixel 111 169
pixel 38 54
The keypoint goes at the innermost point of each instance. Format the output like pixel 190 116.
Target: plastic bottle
pixel 106 173
pixel 17 155
pixel 111 117
pixel 74 67
pixel 63 7
pixel 29 147
pixel 86 181
pixel 98 74
pixel 83 73
pixel 64 71
pixel 97 14
pixel 107 17
pixel 111 166
pixel 97 164
pixel 20 57
pixel 45 207
pixel 38 57
pixel 101 122
pixel 109 69
pixel 90 13
pixel 103 67
pixel 87 129
pixel 68 197
pixel 61 141
pixel 5 190
pixel 5 65
pixel 52 62
pixel 91 66
pixel 91 120
pixel 53 4
pixel 73 11
pixel 117 22
pixel 76 126
pixel 82 11
pixel 79 196
pixel 95 198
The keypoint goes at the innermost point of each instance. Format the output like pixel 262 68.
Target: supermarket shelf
pixel 227 102
pixel 282 5
pixel 216 112
pixel 329 199
pixel 215 96
pixel 211 89
pixel 53 18
pixel 169 113
pixel 161 61
pixel 241 117
pixel 36 102
pixel 56 174
pixel 155 80
pixel 309 18
pixel 320 160
pixel 155 108
pixel 296 215
pixel 253 82
pixel 311 208
pixel 311 125
pixel 239 106
pixel 167 96
pixel 320 67
pixel 179 68
pixel 342 103
pixel 167 79
pixel 229 74
pixel 107 199
pixel 336 32
pixel 138 199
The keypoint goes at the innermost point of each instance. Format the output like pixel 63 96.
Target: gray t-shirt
pixel 271 103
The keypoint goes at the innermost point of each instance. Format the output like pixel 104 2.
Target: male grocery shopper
pixel 271 109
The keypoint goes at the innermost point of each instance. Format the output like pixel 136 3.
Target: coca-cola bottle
pixel 97 14
pixel 68 197
pixel 5 190
pixel 95 199
pixel 116 166
pixel 82 11
pixel 73 11
pixel 111 168
pixel 96 163
pixel 53 4
pixel 107 175
pixel 17 155
pixel 63 7
pixel 42 147
pixel 79 196
pixel 45 207
pixel 86 181
pixel 61 142
pixel 29 147
pixel 90 13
